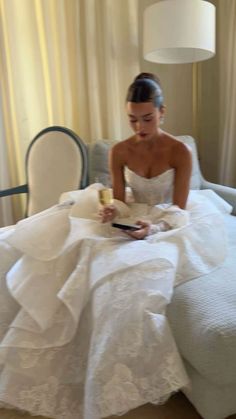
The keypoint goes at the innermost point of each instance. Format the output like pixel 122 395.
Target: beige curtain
pixel 6 216
pixel 227 60
pixel 64 62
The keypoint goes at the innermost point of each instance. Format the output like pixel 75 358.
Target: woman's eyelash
pixel 145 119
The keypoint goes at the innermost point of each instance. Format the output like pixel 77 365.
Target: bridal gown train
pixel 83 331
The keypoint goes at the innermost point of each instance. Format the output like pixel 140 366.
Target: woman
pixel 149 154
pixel 83 331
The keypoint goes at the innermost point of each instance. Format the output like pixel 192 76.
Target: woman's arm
pixel 182 162
pixel 116 165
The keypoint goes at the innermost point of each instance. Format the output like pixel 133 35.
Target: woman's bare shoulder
pixel 176 145
pixel 122 147
pixel 179 152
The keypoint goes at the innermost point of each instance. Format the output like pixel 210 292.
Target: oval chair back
pixel 56 162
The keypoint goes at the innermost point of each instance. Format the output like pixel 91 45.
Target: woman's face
pixel 144 119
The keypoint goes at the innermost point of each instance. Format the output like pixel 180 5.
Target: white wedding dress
pixel 83 331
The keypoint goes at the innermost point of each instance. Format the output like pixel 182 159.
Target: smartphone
pixel 130 227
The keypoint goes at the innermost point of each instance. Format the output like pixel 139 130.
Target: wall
pixel 208 111
pixel 191 97
pixel 177 86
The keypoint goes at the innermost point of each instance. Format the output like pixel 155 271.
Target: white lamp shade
pixel 179 31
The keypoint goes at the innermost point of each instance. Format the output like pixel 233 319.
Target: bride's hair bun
pixel 149 76
pixel 146 87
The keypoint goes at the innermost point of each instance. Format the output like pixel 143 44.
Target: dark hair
pixel 146 87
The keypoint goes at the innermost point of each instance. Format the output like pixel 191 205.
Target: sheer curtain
pixel 227 57
pixel 64 63
pixel 6 216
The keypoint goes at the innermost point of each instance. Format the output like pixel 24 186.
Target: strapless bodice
pixel 156 190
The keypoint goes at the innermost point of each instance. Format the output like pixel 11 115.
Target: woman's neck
pixel 150 142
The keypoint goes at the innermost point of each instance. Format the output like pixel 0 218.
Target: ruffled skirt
pixel 83 331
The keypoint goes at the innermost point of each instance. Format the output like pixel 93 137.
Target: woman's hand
pixel 107 213
pixel 142 232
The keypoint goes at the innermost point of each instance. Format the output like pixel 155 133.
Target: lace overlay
pixel 83 331
pixel 156 190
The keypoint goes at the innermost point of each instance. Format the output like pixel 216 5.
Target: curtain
pixel 6 215
pixel 64 63
pixel 227 60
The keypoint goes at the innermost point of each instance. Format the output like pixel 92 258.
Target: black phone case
pixel 130 227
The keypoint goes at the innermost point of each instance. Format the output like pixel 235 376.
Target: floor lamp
pixel 178 32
